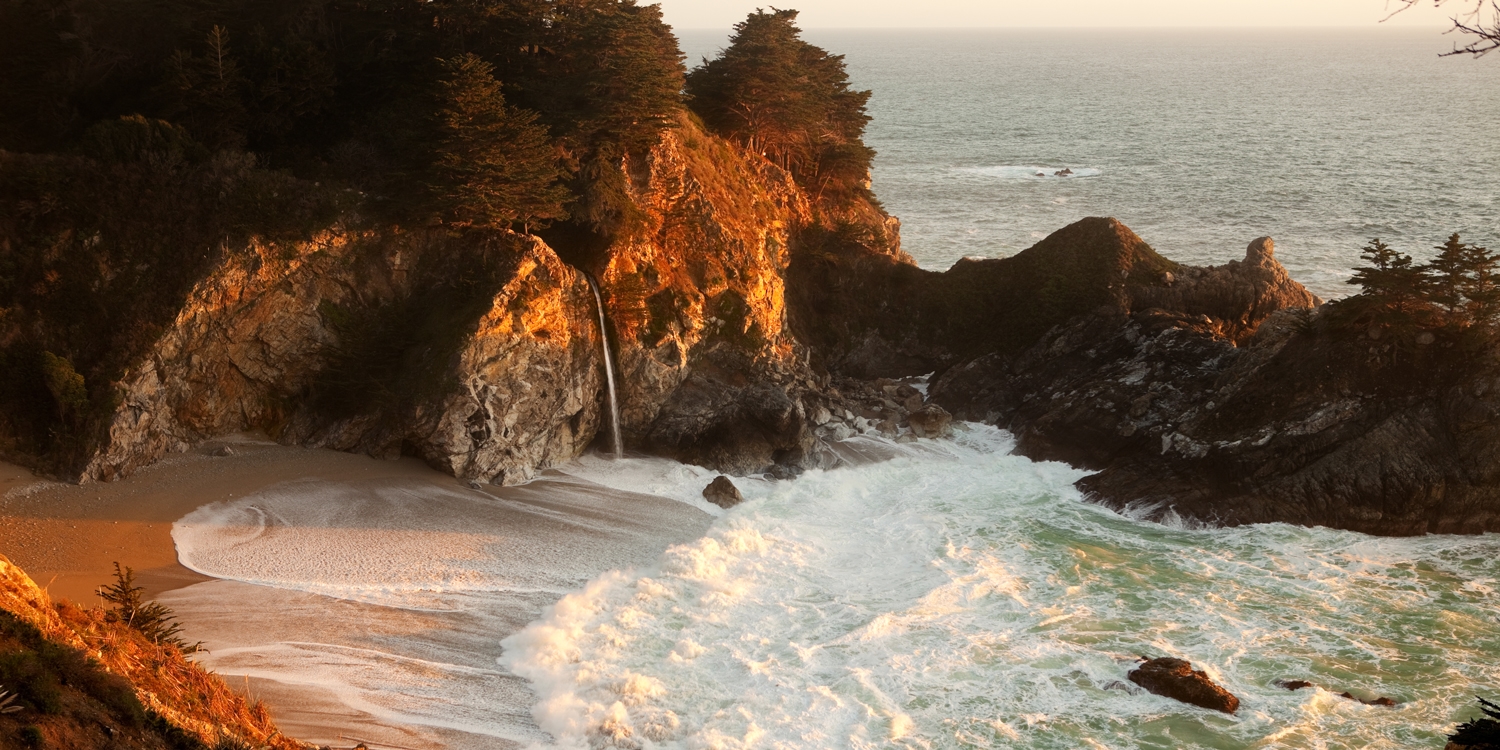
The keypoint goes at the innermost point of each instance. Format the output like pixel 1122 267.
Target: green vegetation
pixel 42 672
pixel 788 100
pixel 150 619
pixel 494 166
pixel 1459 289
pixel 357 93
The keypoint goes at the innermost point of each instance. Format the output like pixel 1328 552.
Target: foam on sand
pixel 373 609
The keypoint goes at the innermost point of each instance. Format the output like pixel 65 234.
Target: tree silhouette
pixel 1446 274
pixel 1391 281
pixel 1481 286
pixel 207 92
pixel 786 100
pixel 495 166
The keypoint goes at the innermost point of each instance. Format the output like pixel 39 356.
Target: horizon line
pixel 1373 26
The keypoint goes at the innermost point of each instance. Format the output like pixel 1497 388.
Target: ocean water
pixel 1200 140
pixel 942 594
pixel 953 595
pixel 967 598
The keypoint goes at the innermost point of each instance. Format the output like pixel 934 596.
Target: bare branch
pixel 1477 19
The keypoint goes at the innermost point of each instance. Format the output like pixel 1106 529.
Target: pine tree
pixel 1446 274
pixel 151 619
pixel 1391 281
pixel 207 92
pixel 495 166
pixel 1481 285
pixel 787 100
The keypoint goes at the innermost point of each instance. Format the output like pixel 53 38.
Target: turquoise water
pixel 1203 139
pixel 966 598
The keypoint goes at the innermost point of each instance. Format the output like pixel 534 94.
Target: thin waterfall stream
pixel 609 371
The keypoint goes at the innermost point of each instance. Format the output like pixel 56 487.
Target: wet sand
pixel 273 644
pixel 68 537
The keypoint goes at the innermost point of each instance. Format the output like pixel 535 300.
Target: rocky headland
pixel 753 328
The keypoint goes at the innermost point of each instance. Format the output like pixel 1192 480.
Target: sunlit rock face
pixel 478 355
pixel 709 371
pixel 481 354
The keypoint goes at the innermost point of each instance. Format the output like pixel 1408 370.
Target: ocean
pixel 954 595
pixel 1200 140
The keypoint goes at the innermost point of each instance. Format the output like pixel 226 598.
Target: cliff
pixel 480 352
pixel 746 320
pixel 1221 395
pixel 81 681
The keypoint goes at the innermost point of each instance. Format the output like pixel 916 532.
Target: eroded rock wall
pixel 480 355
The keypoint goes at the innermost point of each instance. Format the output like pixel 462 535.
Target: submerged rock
pixel 723 493
pixel 1295 685
pixel 1176 679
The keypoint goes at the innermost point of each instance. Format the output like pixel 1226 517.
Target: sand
pixel 68 537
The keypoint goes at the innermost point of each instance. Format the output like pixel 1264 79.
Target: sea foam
pixel 968 598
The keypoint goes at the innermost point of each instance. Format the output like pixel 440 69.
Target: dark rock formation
pixel 723 493
pixel 1176 679
pixel 1215 394
pixel 1301 684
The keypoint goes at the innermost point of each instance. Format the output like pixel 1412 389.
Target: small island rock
pixel 1176 679
pixel 723 493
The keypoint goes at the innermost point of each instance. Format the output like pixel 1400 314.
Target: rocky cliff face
pixel 1212 394
pixel 709 371
pixel 479 356
pixel 481 353
pixel 1219 395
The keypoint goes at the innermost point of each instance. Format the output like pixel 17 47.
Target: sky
pixel 720 14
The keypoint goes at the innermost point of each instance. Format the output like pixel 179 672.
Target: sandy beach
pixel 272 643
pixel 68 537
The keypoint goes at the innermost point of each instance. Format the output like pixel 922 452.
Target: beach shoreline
pixel 69 536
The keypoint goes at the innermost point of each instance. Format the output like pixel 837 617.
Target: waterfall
pixel 609 372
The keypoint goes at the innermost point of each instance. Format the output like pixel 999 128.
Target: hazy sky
pixel 720 14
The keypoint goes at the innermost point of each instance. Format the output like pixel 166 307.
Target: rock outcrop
pixel 723 493
pixel 1223 395
pixel 478 356
pixel 1176 679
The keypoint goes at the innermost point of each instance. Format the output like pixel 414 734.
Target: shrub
pixel 1482 733
pixel 153 620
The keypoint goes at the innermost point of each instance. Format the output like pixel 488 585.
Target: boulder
pixel 931 421
pixel 1176 679
pixel 723 493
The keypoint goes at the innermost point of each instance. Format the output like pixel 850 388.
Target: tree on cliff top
pixel 1459 288
pixel 787 100
pixel 495 166
pixel 1392 283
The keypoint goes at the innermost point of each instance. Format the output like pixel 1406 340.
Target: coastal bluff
pixel 1225 395
pixel 755 326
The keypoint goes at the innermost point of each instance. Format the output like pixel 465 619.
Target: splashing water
pixel 609 371
pixel 972 600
